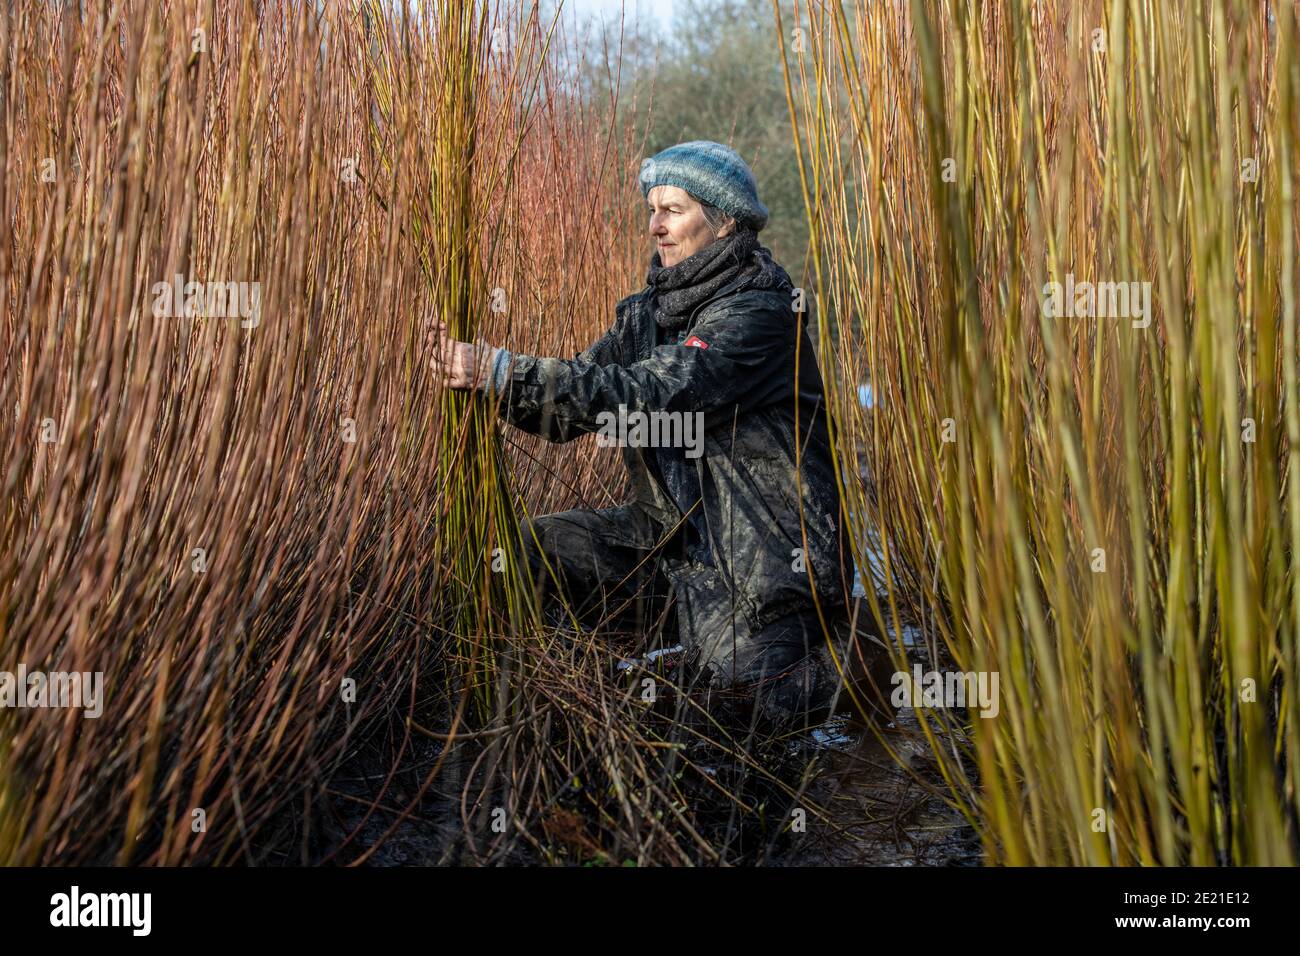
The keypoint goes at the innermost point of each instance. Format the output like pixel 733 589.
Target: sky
pixel 660 10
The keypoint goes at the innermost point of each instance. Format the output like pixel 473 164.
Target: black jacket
pixel 740 372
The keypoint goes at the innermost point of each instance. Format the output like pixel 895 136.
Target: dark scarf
pixel 677 290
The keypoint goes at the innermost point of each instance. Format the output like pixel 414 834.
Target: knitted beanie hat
pixel 713 174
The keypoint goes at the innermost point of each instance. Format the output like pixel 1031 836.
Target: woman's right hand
pixel 459 365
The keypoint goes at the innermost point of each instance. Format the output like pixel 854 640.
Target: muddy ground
pixel 385 807
pixel 869 811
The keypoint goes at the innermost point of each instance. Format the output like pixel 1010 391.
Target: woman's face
pixel 677 224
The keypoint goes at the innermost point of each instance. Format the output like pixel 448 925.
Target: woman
pixel 744 526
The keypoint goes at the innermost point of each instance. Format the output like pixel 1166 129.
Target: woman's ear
pixel 728 229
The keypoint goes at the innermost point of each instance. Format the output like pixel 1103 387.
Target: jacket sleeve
pixel 742 360
pixel 605 349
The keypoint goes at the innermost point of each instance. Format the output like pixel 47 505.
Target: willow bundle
pixel 266 529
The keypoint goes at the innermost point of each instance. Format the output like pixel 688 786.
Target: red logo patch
pixel 696 341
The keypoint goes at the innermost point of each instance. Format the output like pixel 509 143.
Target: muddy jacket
pixel 734 362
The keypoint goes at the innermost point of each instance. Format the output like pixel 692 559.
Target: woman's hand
pixel 459 365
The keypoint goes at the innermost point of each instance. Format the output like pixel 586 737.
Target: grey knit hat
pixel 713 174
